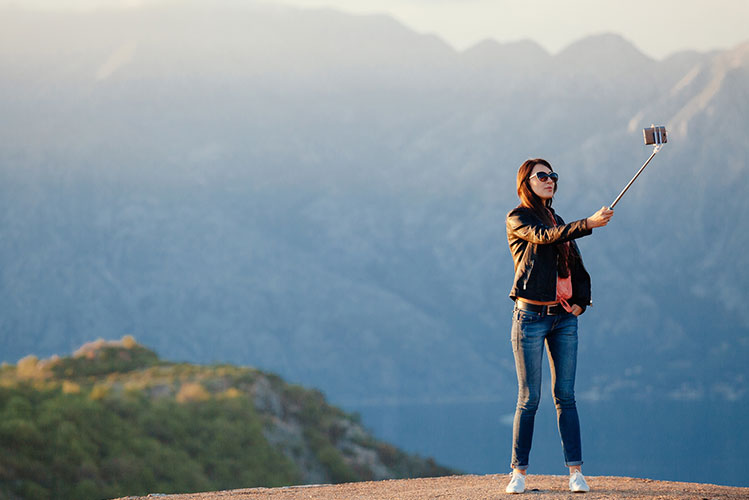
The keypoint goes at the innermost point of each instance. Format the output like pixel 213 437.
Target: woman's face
pixel 544 190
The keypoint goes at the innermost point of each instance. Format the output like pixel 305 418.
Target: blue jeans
pixel 529 331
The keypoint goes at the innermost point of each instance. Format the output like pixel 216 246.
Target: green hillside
pixel 114 420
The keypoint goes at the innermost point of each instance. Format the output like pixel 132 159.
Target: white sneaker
pixel 577 483
pixel 517 483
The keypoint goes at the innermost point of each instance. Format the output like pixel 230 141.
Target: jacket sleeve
pixel 526 226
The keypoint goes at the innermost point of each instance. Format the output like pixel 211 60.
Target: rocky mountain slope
pixel 113 419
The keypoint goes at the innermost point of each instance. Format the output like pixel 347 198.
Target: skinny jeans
pixel 530 332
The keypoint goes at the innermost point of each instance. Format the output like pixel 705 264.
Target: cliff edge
pixel 475 488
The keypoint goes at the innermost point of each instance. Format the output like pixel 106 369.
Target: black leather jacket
pixel 532 247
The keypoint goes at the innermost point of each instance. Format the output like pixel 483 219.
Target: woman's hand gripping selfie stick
pixel 655 136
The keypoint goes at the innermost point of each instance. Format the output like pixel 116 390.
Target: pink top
pixel 564 292
pixel 564 285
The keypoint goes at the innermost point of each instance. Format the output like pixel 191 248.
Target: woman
pixel 551 289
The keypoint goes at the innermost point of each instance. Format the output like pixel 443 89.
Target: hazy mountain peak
pixel 490 53
pixel 604 46
pixel 490 46
pixel 604 56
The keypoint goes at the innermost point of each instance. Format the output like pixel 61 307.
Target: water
pixel 703 442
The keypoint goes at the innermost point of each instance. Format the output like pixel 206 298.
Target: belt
pixel 548 310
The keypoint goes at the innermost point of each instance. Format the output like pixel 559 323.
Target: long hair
pixel 528 198
pixel 542 209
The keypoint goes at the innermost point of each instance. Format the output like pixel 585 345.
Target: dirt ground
pixel 471 487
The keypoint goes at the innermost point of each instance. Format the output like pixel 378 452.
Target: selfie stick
pixel 655 136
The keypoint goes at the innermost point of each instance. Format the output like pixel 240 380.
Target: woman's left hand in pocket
pixel 576 310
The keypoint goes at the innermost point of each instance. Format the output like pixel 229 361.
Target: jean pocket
pixel 526 317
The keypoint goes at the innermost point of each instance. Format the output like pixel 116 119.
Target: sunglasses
pixel 543 176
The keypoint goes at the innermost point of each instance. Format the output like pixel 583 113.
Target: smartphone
pixel 655 135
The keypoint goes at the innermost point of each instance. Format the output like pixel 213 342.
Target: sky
pixel 657 27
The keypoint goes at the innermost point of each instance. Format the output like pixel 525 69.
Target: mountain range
pixel 322 195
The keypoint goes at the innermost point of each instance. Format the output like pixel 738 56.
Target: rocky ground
pixel 475 488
